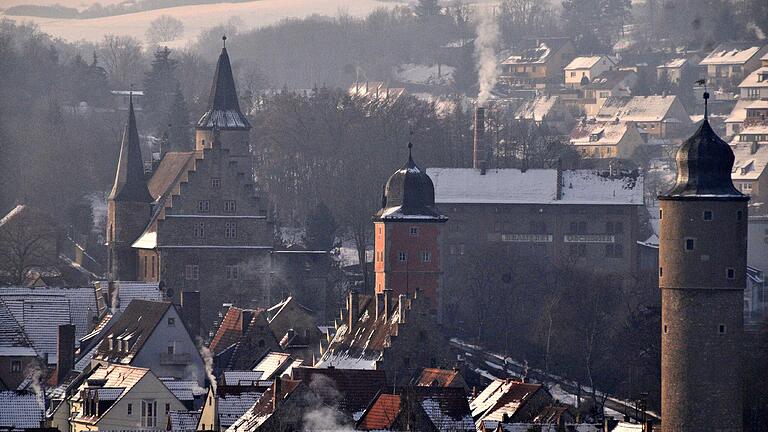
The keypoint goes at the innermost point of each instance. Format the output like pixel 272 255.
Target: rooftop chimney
pixel 387 303
pixel 401 308
pixel 190 311
pixel 276 390
pixel 479 154
pixel 354 302
pixel 65 350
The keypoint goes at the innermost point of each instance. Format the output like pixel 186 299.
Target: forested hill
pixel 97 10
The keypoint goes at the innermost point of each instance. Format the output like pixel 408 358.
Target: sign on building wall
pixel 589 238
pixel 527 238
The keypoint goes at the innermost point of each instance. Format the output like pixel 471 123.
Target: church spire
pixel 130 184
pixel 223 105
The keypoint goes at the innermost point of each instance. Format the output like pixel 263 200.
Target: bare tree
pixel 28 241
pixel 123 59
pixel 163 29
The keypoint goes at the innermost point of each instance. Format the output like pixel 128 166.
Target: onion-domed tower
pixel 408 236
pixel 702 270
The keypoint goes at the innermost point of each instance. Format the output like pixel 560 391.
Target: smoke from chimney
pixel 485 53
pixel 480 153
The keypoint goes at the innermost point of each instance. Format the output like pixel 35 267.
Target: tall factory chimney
pixel 479 154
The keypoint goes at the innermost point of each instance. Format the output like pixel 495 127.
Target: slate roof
pixel 704 164
pixel 235 377
pixel 223 105
pixel 184 390
pixel 232 406
pixel 409 194
pixel 136 324
pixel 130 184
pixel 353 389
pixel 447 407
pixel 257 414
pixel 81 302
pixel 128 291
pixel 40 317
pixel 183 421
pixel 20 410
pixel 13 339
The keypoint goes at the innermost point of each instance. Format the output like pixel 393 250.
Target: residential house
pixel 18 355
pixel 282 408
pixel 674 70
pixel 20 411
pixel 539 64
pixel 612 83
pixel 152 335
pixel 375 91
pixel 612 140
pixel 660 117
pixel 749 174
pixel 548 110
pixel 510 401
pixel 117 397
pixel 581 70
pixel 400 337
pixel 746 112
pixel 276 364
pixel 296 327
pixel 428 409
pixel 755 85
pixel 434 377
pixel 730 62
pixel 242 339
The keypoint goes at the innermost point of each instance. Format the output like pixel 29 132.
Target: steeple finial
pixel 706 104
pixel 224 41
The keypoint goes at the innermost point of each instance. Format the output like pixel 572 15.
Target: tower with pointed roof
pixel 702 270
pixel 223 123
pixel 408 236
pixel 128 205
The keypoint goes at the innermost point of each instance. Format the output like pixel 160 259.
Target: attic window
pixel 707 215
pixel 15 366
pixel 730 273
pixel 171 322
pixel 414 231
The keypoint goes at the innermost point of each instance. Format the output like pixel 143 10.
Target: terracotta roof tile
pixel 382 414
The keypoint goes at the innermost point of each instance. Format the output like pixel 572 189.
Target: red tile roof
pixel 434 377
pixel 230 330
pixel 382 414
pixel 356 387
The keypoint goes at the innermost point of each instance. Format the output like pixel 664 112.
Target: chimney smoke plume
pixel 487 37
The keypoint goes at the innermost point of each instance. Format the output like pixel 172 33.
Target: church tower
pixel 408 237
pixel 702 270
pixel 223 122
pixel 128 206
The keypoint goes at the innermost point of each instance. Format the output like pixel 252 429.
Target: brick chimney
pixel 480 152
pixel 387 303
pixel 190 312
pixel 65 350
pixel 276 390
pixel 401 299
pixel 354 306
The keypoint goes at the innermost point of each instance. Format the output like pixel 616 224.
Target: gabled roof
pixel 753 80
pixel 352 389
pixel 20 410
pixel 263 409
pixel 749 165
pixel 730 53
pixel 608 80
pixel 446 407
pixel 274 364
pixel 586 62
pixel 41 318
pixel 595 134
pixel 114 382
pixel 653 108
pixel 230 330
pixel 135 326
pixel 434 377
pixel 502 397
pixel 232 406
pixel 536 109
pixel 13 339
pixel 128 291
pixel 183 421
pixel 130 184
pixel 184 390
pixel 673 64
pixel 382 414
pixel 168 172
pixel 429 408
pixel 223 105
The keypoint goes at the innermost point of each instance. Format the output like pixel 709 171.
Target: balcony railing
pixel 175 359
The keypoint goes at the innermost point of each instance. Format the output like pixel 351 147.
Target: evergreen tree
pixel 321 228
pixel 160 82
pixel 427 8
pixel 179 133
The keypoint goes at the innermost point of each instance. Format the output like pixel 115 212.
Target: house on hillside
pixel 510 401
pixel 581 70
pixel 750 168
pixel 660 117
pixel 610 140
pixel 730 62
pixel 612 83
pixel 755 85
pixel 548 110
pixel 538 64
pixel 674 70
pixel 152 335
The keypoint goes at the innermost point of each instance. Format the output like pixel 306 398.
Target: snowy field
pixel 195 18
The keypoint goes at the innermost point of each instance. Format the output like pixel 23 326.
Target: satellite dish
pixel 169 293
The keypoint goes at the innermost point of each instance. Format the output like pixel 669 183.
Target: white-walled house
pixel 584 69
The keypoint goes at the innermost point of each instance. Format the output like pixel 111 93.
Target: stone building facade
pixel 702 268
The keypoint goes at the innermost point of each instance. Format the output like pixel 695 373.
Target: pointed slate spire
pixel 130 184
pixel 223 105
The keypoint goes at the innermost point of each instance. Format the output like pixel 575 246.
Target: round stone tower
pixel 702 270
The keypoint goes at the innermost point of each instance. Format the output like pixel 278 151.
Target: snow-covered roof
pixel 127 291
pixel 754 79
pixel 759 129
pixel 537 55
pixel 20 411
pixel 13 340
pixel 586 62
pixel 232 406
pixel 535 186
pixel 148 240
pixel 653 108
pixel 739 111
pixel 537 108
pixel 12 214
pixel 424 74
pixel 41 318
pixel 730 54
pixel 598 134
pixel 183 421
pixel 749 165
pixel 673 64
pixel 184 390
pixel 235 377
